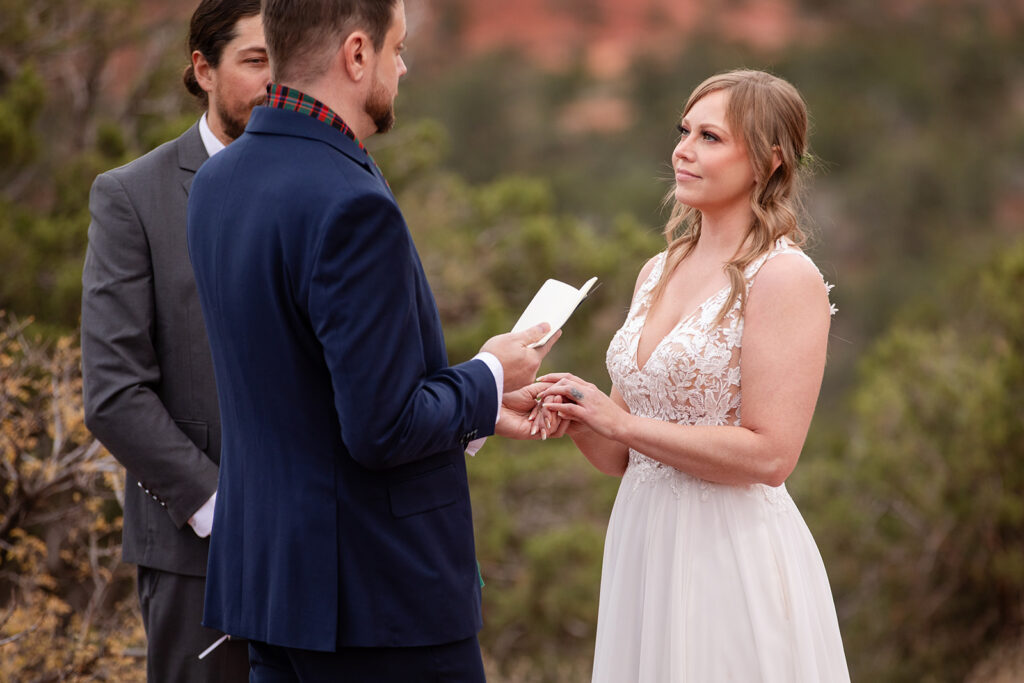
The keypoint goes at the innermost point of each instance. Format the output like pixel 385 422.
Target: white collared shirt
pixel 210 141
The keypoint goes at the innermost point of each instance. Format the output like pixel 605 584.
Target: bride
pixel 710 573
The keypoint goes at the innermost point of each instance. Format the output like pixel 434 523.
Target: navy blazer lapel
pixel 191 155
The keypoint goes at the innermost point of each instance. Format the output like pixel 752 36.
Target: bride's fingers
pixel 559 425
pixel 567 389
pixel 568 410
pixel 559 376
pixel 562 428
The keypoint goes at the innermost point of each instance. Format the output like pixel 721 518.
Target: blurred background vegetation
pixel 513 167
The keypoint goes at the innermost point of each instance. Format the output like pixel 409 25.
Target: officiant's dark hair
pixel 213 26
pixel 303 35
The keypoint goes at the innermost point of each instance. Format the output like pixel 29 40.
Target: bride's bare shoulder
pixel 788 279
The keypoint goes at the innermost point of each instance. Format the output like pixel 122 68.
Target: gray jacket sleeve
pixel 120 363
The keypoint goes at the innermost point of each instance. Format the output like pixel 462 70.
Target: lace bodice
pixel 693 375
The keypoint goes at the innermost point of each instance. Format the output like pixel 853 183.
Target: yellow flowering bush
pixel 66 602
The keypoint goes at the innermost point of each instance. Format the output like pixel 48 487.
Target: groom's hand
pixel 518 361
pixel 522 416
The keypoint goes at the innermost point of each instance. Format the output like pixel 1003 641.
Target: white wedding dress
pixel 703 582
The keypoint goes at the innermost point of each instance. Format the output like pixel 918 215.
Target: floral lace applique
pixel 692 376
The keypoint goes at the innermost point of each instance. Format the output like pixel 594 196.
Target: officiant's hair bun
pixel 213 25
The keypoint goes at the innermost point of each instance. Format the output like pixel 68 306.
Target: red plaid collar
pixel 283 97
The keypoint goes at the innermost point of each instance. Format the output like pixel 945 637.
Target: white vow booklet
pixel 553 303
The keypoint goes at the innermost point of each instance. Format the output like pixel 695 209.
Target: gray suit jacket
pixel 150 396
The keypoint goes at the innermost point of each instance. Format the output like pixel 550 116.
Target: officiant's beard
pixel 380 107
pixel 235 118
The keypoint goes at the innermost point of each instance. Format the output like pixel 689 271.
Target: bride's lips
pixel 684 175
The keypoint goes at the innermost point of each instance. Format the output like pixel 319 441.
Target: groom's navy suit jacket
pixel 342 514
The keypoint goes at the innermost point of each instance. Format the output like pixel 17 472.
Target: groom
pixel 342 543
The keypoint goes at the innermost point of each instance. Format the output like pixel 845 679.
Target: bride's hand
pixel 581 403
pixel 523 417
pixel 547 422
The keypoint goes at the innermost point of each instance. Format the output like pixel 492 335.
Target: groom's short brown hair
pixel 302 35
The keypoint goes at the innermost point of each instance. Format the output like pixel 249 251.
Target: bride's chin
pixel 684 198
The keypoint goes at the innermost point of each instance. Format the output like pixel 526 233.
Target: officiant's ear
pixel 203 71
pixel 356 51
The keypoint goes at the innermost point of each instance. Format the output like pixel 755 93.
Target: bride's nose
pixel 682 150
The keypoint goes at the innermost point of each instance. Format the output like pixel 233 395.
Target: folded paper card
pixel 553 303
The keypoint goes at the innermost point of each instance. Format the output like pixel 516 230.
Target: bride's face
pixel 712 168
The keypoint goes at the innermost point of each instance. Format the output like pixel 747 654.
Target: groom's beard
pixel 236 118
pixel 380 107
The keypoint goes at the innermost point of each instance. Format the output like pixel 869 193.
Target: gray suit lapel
pixel 191 155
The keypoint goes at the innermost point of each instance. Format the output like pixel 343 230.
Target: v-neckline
pixel 671 331
pixel 781 245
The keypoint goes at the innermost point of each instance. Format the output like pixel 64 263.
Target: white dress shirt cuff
pixel 202 521
pixel 494 365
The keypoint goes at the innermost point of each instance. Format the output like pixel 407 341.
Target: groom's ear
pixel 355 53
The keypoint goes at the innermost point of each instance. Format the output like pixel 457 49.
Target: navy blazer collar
pixel 273 121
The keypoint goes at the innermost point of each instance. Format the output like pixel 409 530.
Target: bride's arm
pixel 783 359
pixel 607 455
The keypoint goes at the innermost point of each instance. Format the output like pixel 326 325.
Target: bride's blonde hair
pixel 769 115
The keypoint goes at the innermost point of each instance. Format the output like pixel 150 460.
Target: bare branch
pixel 18 636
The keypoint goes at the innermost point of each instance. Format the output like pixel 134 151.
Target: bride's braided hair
pixel 769 115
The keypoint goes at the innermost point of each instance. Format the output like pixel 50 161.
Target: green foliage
pixel 488 248
pixel 912 475
pixel 20 106
pixel 540 509
pixel 542 570
pixel 926 525
pixel 41 258
pixel 59 128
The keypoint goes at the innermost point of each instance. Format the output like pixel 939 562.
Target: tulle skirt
pixel 706 583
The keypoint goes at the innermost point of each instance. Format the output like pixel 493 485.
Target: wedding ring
pixel 576 393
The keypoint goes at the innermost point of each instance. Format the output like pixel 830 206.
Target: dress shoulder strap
pixel 643 293
pixel 781 246
pixel 655 274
